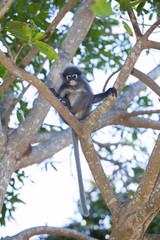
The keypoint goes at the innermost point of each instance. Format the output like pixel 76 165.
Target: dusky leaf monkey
pixel 76 94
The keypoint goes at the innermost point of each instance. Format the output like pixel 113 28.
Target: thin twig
pixel 103 145
pixel 41 66
pixel 8 48
pixel 134 23
pixel 9 112
pixel 143 24
pixel 110 160
pixel 23 45
pixel 110 78
pixel 149 112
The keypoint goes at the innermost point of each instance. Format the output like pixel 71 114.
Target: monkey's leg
pixel 85 211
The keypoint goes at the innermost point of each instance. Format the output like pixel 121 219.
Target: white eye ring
pixel 75 76
pixel 68 77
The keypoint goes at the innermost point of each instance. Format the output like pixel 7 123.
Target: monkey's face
pixel 72 79
pixel 71 75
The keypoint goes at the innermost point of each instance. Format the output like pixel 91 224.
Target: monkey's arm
pixel 63 100
pixel 99 97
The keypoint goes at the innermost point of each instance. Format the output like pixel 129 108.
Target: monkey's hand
pixel 112 91
pixel 64 101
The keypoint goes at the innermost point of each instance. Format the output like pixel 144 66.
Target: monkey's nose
pixel 72 82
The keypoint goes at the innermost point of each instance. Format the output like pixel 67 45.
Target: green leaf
pixel 133 4
pixel 39 36
pixel 128 29
pixel 134 135
pixel 102 8
pixel 54 167
pixel 138 172
pixel 19 30
pixel 47 50
pixel 125 5
pixel 140 7
pixel 15 199
pixel 19 116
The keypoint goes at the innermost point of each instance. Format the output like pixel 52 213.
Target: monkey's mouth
pixel 72 82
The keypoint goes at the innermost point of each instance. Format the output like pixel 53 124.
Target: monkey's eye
pixel 68 77
pixel 75 76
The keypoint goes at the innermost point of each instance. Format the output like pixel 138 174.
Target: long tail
pixel 85 211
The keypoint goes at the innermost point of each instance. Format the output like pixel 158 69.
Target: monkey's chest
pixel 73 98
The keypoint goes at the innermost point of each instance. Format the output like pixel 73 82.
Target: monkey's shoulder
pixel 84 85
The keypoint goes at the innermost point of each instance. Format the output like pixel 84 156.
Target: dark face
pixel 71 75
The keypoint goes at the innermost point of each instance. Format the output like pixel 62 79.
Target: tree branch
pixel 5 8
pixel 12 106
pixel 147 210
pixel 18 134
pixel 137 122
pixel 82 21
pixel 110 160
pixel 40 86
pixel 119 84
pixel 28 233
pixel 134 23
pixel 46 149
pixel 152 44
pixel 156 188
pixel 151 29
pixel 148 181
pixel 42 137
pixel 104 145
pixel 132 91
pixel 99 174
pixel 113 117
pixel 147 80
pixel 1 140
pixel 151 236
pixel 149 112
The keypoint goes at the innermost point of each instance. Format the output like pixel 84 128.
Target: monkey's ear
pixel 62 76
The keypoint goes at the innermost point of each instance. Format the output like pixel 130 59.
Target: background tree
pixel 91 42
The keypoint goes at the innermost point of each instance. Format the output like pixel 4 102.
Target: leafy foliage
pixel 155 225
pixel 29 34
pixel 102 8
pixel 12 196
